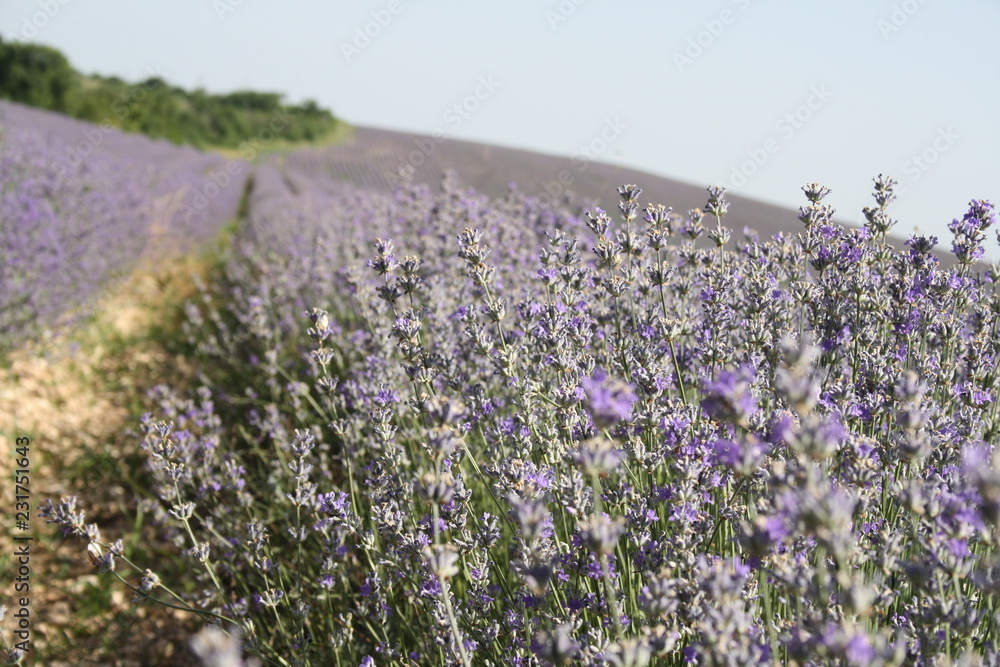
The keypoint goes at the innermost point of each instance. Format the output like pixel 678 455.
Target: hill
pixel 373 158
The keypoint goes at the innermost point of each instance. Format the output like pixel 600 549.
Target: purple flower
pixel 728 398
pixel 780 427
pixel 597 456
pixel 959 548
pixel 859 650
pixel 743 456
pixel 337 502
pixel 817 437
pixel 609 401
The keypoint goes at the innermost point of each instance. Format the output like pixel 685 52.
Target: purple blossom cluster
pixel 524 435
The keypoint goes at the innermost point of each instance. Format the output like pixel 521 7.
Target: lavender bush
pixel 514 435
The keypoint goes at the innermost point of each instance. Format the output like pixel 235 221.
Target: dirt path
pixel 74 400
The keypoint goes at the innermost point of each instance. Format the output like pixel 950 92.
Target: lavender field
pixel 81 204
pixel 433 419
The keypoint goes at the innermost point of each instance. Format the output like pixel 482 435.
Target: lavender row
pixel 81 204
pixel 64 232
pixel 517 434
pixel 196 193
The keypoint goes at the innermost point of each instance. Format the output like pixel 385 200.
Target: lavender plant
pixel 522 435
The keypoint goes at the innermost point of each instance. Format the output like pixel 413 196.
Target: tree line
pixel 43 77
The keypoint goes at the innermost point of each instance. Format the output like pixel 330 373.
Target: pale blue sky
pixel 760 95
